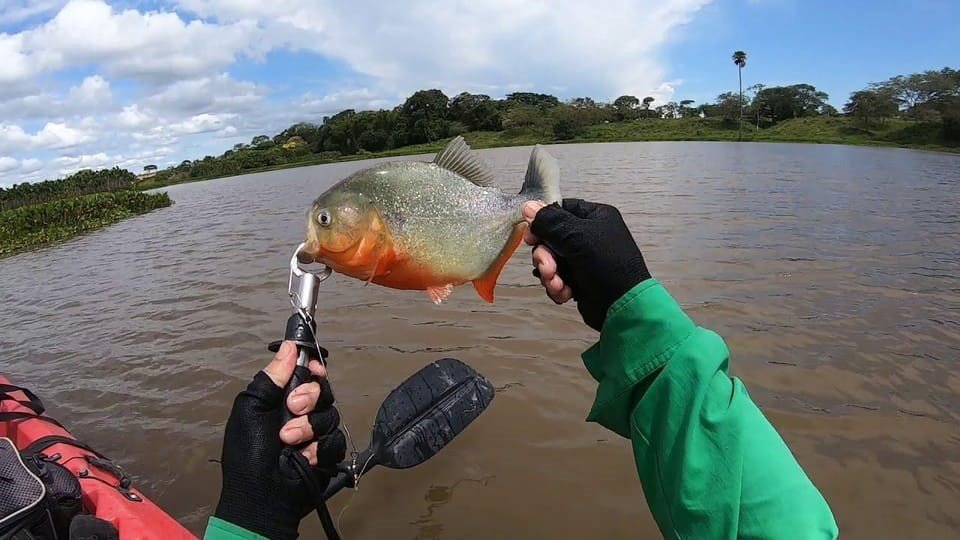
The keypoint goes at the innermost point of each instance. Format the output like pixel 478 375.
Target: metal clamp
pixel 304 297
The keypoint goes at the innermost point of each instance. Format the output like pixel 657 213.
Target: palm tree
pixel 740 59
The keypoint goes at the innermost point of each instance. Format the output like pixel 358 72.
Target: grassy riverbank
pixel 30 227
pixel 815 130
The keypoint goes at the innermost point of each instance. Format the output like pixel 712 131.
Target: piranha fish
pixel 426 226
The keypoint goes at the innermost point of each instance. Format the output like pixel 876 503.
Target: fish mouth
pixel 314 252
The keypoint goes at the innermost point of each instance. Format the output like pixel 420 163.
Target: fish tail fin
pixel 542 181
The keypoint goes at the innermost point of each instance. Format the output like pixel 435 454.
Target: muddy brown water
pixel 830 271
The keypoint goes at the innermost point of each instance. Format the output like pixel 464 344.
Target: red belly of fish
pixel 409 275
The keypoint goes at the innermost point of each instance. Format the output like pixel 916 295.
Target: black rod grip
pixel 365 461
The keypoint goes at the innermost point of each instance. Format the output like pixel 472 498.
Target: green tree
pixel 541 101
pixel 927 95
pixel 85 182
pixel 310 133
pixel 424 116
pixel 868 105
pixel 625 107
pixel 568 121
pixel 261 142
pixel 795 101
pixel 685 110
pixel 647 102
pixel 476 111
pixel 828 110
pixel 740 59
pixel 757 102
pixel 582 103
pixel 809 99
pixel 338 133
pixel 727 106
pixel 520 116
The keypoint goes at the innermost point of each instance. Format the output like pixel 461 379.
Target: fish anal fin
pixel 486 283
pixel 439 293
pixel 457 157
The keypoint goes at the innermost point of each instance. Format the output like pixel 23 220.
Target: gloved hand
pixel 583 251
pixel 256 495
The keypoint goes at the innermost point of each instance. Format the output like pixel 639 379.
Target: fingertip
pixel 280 369
pixel 566 294
pixel 291 435
pixel 555 285
pixel 317 369
pixel 530 209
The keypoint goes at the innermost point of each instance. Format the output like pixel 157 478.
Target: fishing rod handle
pixel 301 333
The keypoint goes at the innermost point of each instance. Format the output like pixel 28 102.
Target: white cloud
pixel 90 95
pixel 134 117
pixel 219 93
pixel 16 66
pixel 334 102
pixel 201 123
pixel 84 161
pixel 8 164
pixel 155 45
pixel 227 132
pixel 26 166
pixel 94 91
pixel 31 165
pixel 53 136
pixel 596 48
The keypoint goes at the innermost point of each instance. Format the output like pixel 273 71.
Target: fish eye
pixel 324 218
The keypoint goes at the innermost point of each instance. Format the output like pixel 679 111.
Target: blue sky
pixel 837 46
pixel 97 83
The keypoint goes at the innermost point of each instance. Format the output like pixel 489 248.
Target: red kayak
pixel 107 492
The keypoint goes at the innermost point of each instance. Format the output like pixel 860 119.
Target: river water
pixel 830 271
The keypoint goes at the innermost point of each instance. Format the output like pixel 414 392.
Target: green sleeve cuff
pixel 218 529
pixel 643 328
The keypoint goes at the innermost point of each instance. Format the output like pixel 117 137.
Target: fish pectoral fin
pixel 373 273
pixel 486 283
pixel 440 293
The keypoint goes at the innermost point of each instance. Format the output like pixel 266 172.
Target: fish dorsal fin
pixel 459 158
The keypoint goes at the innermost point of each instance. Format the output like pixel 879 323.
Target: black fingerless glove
pixel 256 495
pixel 595 252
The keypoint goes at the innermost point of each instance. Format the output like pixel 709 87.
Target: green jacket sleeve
pixel 218 529
pixel 710 463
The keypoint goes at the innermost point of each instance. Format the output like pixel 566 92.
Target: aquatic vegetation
pixel 41 224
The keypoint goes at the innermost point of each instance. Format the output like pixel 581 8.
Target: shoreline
pixel 478 143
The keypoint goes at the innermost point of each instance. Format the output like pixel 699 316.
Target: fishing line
pixel 295 302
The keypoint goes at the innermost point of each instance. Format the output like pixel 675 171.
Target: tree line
pixel 84 182
pixel 426 116
pixel 931 96
pixel 930 99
